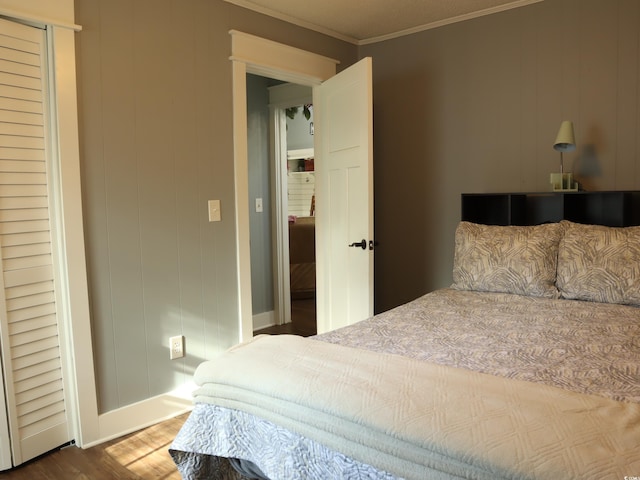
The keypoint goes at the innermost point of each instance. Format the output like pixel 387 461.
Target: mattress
pixel 571 350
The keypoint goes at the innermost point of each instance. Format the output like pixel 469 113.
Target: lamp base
pixel 563 182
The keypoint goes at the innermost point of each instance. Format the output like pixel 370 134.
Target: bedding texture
pixel 586 347
pixel 213 434
pixel 409 417
pixel 528 367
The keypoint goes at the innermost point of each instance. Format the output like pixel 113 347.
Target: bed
pixel 302 257
pixel 527 367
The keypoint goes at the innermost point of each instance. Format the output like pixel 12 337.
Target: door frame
pixel 259 56
pixel 279 217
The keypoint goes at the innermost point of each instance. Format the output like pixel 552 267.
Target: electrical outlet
pixel 176 347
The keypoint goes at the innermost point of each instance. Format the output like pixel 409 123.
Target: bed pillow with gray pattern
pixel 599 264
pixel 507 259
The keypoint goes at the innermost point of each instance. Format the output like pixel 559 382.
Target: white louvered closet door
pixel 31 354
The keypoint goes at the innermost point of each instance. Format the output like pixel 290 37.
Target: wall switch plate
pixel 176 347
pixel 258 205
pixel 214 210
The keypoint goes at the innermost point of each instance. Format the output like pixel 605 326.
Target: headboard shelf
pixel 610 208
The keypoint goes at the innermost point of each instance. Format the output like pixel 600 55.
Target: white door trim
pixel 5 441
pixel 74 314
pixel 281 280
pixel 251 54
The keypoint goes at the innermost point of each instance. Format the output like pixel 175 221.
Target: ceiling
pixel 369 21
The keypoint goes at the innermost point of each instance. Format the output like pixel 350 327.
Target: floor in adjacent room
pixel 303 320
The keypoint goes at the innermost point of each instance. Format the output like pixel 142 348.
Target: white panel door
pixel 30 343
pixel 343 114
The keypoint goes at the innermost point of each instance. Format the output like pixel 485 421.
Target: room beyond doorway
pixel 281 179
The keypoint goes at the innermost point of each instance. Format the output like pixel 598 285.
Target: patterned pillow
pixel 510 259
pixel 600 264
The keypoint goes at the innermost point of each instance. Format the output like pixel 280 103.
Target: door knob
pixel 362 244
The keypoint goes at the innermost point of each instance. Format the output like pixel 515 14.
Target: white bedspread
pixel 408 417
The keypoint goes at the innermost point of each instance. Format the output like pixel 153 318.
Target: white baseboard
pixel 264 320
pixel 137 416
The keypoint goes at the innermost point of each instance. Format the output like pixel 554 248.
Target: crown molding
pixel 380 38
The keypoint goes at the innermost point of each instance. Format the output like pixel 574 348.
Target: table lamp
pixel 565 142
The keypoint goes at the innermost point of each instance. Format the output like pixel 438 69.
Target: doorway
pixel 296 168
pixel 344 119
pixel 251 54
pixel 281 197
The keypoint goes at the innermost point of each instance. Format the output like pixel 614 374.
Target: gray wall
pixel 475 107
pixel 470 107
pixel 156 140
pixel 298 131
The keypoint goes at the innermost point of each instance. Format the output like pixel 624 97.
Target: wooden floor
pixel 141 455
pixel 303 320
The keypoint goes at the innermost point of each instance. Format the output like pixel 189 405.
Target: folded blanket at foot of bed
pixel 407 417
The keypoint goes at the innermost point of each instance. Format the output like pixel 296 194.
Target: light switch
pixel 258 205
pixel 214 210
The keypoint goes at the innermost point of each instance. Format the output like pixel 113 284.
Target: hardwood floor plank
pixel 303 320
pixel 140 455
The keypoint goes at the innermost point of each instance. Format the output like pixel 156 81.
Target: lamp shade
pixel 565 141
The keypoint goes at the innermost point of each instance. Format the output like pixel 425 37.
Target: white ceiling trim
pixel 325 30
pixel 448 21
pixel 295 21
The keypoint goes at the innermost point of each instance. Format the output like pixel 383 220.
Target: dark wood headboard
pixel 613 208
